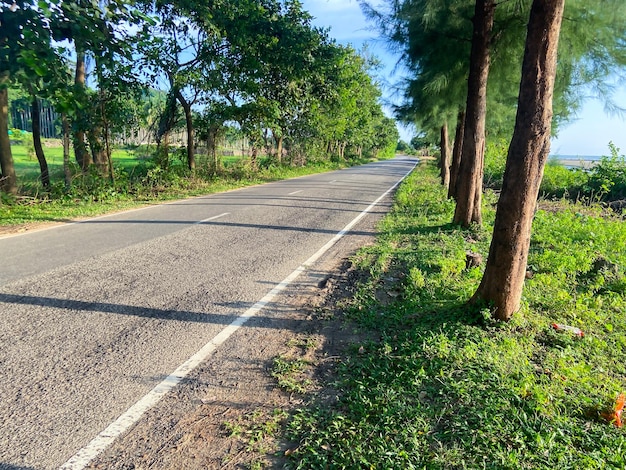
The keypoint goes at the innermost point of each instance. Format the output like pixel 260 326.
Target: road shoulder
pixel 228 412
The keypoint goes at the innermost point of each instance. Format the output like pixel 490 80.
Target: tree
pixel 433 38
pixel 13 20
pixel 469 187
pixel 502 283
pixel 444 162
pixel 8 180
pixel 456 154
pixel 103 31
pixel 42 73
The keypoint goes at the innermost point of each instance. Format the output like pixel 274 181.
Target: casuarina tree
pixel 505 271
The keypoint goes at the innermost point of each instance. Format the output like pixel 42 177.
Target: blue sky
pixel 588 134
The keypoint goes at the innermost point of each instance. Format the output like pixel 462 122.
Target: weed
pixel 448 387
pixel 257 432
pixel 288 372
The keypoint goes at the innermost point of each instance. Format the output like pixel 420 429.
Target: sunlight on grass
pixel 448 387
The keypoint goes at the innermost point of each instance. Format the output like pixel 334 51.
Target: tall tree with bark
pixel 185 42
pixel 433 38
pixel 455 164
pixel 13 19
pixel 503 280
pixel 42 73
pixel 103 31
pixel 469 186
pixel 83 158
pixel 8 179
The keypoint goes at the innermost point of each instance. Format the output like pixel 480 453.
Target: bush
pixel 607 180
pixel 19 137
pixel 559 181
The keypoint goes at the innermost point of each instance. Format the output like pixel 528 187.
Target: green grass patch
pixel 446 386
pixel 138 181
pixel 256 433
pixel 288 373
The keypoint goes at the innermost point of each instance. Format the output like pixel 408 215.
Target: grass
pixel 138 182
pixel 288 373
pixel 257 432
pixel 447 387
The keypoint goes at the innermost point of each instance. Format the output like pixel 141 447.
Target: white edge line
pixel 295 192
pixel 103 440
pixel 211 218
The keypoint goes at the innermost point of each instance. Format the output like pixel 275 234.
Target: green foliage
pixel 496 151
pixel 607 179
pixel 260 68
pixel 19 137
pixel 447 387
pixel 402 146
pixel 559 181
pixel 256 433
pixel 137 181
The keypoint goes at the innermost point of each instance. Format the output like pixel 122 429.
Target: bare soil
pixel 230 412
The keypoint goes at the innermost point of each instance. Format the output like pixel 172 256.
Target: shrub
pixel 559 181
pixel 607 180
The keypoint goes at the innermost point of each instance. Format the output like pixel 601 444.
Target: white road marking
pixel 295 192
pixel 211 218
pixel 84 456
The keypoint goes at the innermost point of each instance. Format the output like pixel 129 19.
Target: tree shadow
pixel 143 312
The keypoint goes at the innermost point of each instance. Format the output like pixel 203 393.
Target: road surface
pixel 97 315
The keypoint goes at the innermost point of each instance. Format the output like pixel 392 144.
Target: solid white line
pixel 103 440
pixel 211 218
pixel 295 192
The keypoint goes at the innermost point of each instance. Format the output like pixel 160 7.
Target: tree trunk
pixel 505 271
pixel 456 154
pixel 279 148
pixel 444 163
pixel 96 145
pixel 470 180
pixel 107 144
pixel 8 179
pixel 164 150
pixel 66 152
pixel 83 158
pixel 41 158
pixel 191 160
pixel 211 146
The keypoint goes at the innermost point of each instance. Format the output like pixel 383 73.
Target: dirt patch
pixel 15 229
pixel 229 412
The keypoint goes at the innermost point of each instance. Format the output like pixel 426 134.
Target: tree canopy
pixel 257 65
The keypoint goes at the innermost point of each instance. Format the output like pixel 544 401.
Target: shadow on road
pixel 232 224
pixel 144 312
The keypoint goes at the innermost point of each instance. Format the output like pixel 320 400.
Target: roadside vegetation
pixel 173 83
pixel 445 385
pixel 603 182
pixel 138 181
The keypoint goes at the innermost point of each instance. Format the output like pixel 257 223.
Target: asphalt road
pixel 94 315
